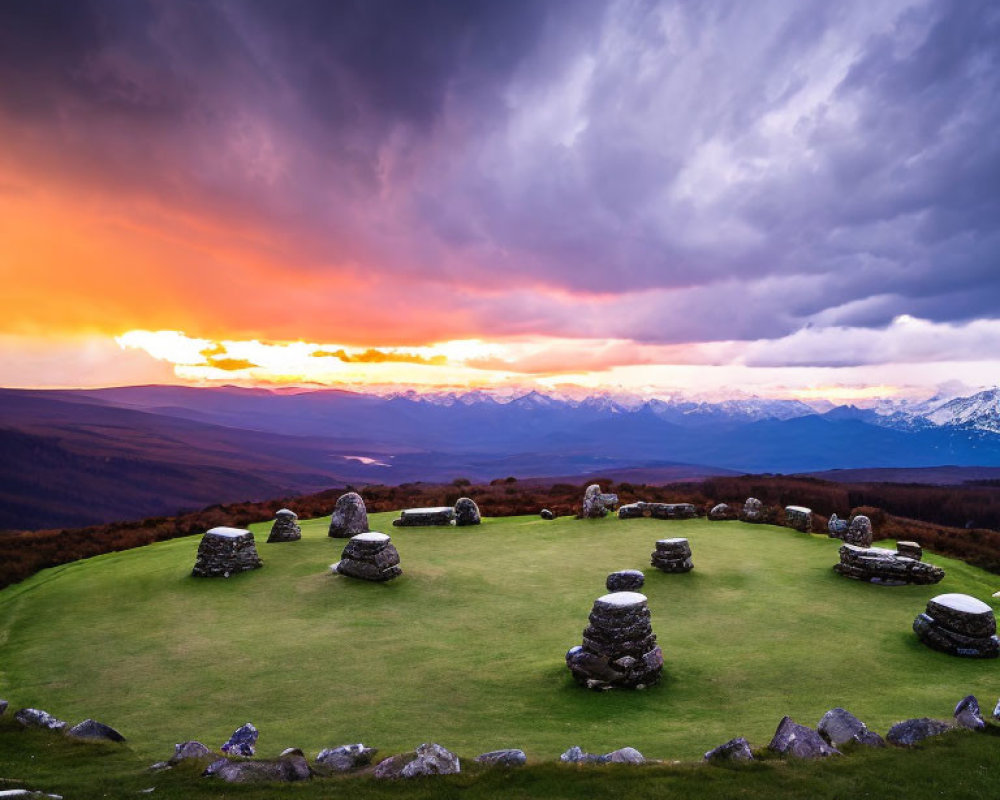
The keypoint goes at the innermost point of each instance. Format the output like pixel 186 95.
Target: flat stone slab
pixel 435 515
pixel 963 603
pixel 622 599
pixel 798 509
pixel 672 542
pixel 371 536
pixel 428 510
pixel 228 533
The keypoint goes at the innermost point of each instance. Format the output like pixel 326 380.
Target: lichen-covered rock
pixel 625 755
pixel 597 504
pixel 836 527
pixel 36 718
pixel 577 755
pixel 879 565
pixel 671 510
pixel 737 749
pixel 859 532
pixel 799 741
pixel 503 758
pixel 720 511
pixel 420 517
pixel 619 647
pixel 799 517
pixel 753 510
pixel 466 512
pixel 347 757
pixel 672 555
pixel 625 580
pixel 226 551
pixel 287 769
pixel 546 514
pixel 960 625
pixel 968 715
pixel 93 730
pixel 349 518
pixel 840 727
pixel 912 731
pixel 243 742
pixel 285 527
pixel 428 759
pixel 370 556
pixel 187 750
pixel 631 511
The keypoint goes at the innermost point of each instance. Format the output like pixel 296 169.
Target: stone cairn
pixel 886 567
pixel 960 625
pixel 800 518
pixel 753 510
pixel 467 512
pixel 672 555
pixel 596 504
pixel 859 532
pixel 658 510
pixel 418 517
pixel 224 552
pixel 350 517
pixel 619 649
pixel 285 529
pixel 626 580
pixel 370 556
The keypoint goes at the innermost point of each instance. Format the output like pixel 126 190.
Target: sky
pixel 789 198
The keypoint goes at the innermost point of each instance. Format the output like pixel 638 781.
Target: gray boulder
pixel 347 757
pixel 423 517
pixel 912 731
pixel 186 750
pixel 597 504
pixel 282 770
pixel 625 580
pixel 799 517
pixel 503 758
pixel 836 527
pixel 576 755
pixel 631 511
pixel 737 749
pixel 428 759
pixel 349 518
pixel 285 527
pixel 466 512
pixel 753 510
pixel 799 741
pixel 546 514
pixel 720 511
pixel 882 566
pixel 36 718
pixel 625 755
pixel 840 727
pixel 243 742
pixel 859 532
pixel 968 715
pixel 95 731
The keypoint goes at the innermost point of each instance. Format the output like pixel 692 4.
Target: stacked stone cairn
pixel 753 510
pixel 800 518
pixel 626 580
pixel 886 567
pixel 467 512
pixel 370 556
pixel 350 517
pixel 672 555
pixel 285 528
pixel 224 552
pixel 596 504
pixel 619 649
pixel 421 517
pixel 960 625
pixel 859 532
pixel 657 510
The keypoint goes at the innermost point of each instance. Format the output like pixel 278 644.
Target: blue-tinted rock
pixel 243 742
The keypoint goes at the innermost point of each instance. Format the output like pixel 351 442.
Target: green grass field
pixel 466 648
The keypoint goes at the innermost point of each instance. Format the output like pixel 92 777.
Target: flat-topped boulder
pixel 672 555
pixel 799 517
pixel 631 511
pixel 420 517
pixel 753 510
pixel 625 580
pixel 657 510
pixel 286 769
pixel 619 649
pixel 960 625
pixel 224 552
pixel 285 528
pixel 596 503
pixel 882 566
pixel 859 532
pixel 910 550
pixel 369 556
pixel 912 731
pixel 349 518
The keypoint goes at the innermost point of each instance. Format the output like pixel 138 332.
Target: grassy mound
pixel 466 648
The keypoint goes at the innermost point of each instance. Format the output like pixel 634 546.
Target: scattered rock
pixel 371 557
pixel 503 758
pixel 631 511
pixel 596 504
pixel 349 518
pixel 576 755
pixel 753 510
pixel 626 580
pixel 3 707
pixel 5 793
pixel 840 727
pixel 799 741
pixel 886 567
pixel 546 514
pixel 800 518
pixel 285 528
pixel 909 550
pixel 36 718
pixel 347 757
pixel 836 527
pixel 285 770
pixel 428 759
pixel 968 715
pixel 859 532
pixel 186 750
pixel 625 755
pixel 243 742
pixel 737 749
pixel 672 555
pixel 466 512
pixel 960 625
pixel 908 733
pixel 292 751
pixel 619 649
pixel 94 730
pixel 224 552
pixel 417 517
pixel 720 511
pixel 656 510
